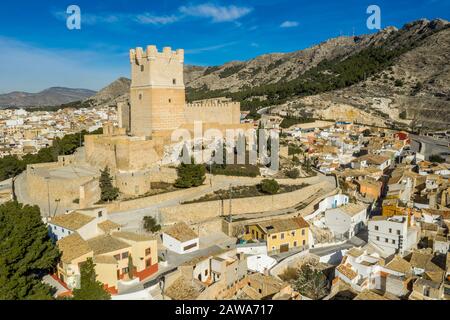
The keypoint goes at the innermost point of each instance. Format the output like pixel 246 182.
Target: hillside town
pixel 352 212
pixel 26 131
pixel 376 229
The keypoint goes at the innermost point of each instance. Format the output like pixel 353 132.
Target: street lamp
pixel 47 178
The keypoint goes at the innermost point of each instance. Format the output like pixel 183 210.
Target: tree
pixel 90 288
pixel 130 267
pixel 436 158
pixel 269 186
pixel 108 191
pixel 293 173
pixel 190 175
pixel 150 224
pixel 311 283
pixel 294 150
pixel 26 253
pixel 10 166
pixel 402 115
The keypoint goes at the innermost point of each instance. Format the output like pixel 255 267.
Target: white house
pixel 261 263
pixel 88 223
pixel 364 271
pixel 435 216
pixel 392 235
pixel 330 202
pixel 371 160
pixel 180 238
pixel 346 221
pixel 259 248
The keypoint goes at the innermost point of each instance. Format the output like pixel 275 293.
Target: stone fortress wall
pixel 135 150
pixel 219 110
pixel 157 96
pixel 196 212
pixel 56 183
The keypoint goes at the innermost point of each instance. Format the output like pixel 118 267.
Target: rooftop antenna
pixel 229 212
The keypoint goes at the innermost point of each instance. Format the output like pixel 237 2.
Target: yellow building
pixel 111 255
pixel 281 234
pixel 393 207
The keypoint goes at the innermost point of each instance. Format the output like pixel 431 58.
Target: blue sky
pixel 38 51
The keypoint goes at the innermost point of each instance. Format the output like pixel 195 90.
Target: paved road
pixel 132 219
pixel 433 146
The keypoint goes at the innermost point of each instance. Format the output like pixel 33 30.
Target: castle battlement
pixel 214 102
pixel 139 55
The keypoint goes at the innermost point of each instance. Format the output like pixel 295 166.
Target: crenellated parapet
pixel 217 110
pixel 221 102
pixel 139 56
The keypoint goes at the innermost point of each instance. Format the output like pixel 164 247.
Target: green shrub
pixel 190 175
pixel 150 224
pixel 293 173
pixel 269 186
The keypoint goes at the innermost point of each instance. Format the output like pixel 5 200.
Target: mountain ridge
pixel 406 69
pixel 52 96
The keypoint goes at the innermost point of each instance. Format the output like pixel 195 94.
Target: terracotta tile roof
pixel 445 214
pixel 183 289
pixel 72 221
pixel 72 247
pixel 435 276
pixel 346 271
pixel 399 264
pixel 108 225
pixel 268 280
pixel 181 231
pixel 248 293
pixel 372 159
pixel 352 209
pixel 103 259
pixel 355 252
pixel 281 225
pixel 133 236
pixel 369 295
pixel 105 244
pixel 424 261
pixel 213 254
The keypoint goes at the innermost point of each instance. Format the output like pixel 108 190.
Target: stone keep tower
pixel 157 94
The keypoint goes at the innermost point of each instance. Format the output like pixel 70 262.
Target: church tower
pixel 157 95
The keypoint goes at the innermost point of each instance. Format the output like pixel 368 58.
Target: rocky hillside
pixel 113 93
pixel 414 90
pixel 390 77
pixel 49 97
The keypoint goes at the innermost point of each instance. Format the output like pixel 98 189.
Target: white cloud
pixel 142 18
pixel 210 48
pixel 289 24
pixel 215 12
pixel 148 18
pixel 91 19
pixel 254 44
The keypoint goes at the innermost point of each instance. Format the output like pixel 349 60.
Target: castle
pixel 135 150
pixel 157 107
